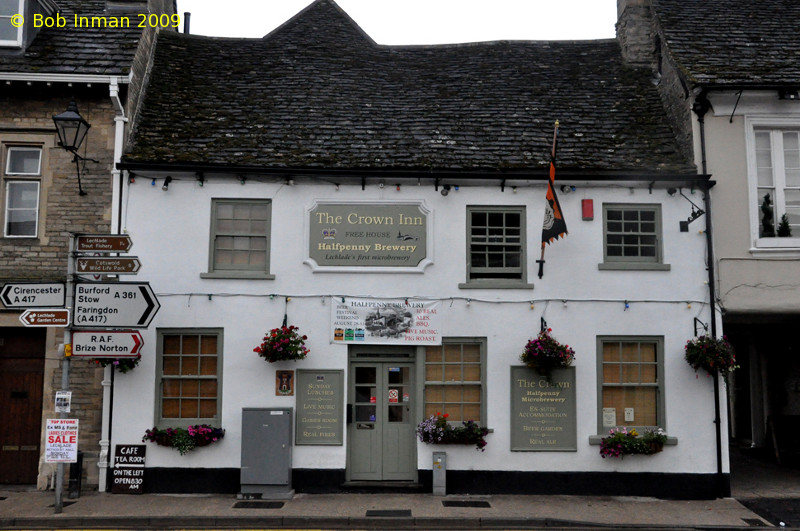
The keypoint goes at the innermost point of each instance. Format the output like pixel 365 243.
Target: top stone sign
pixel 103 243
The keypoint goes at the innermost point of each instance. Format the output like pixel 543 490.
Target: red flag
pixel 554 225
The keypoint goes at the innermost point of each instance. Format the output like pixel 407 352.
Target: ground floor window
pixel 455 379
pixel 631 383
pixel 190 384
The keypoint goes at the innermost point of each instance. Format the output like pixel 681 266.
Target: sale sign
pixel 61 441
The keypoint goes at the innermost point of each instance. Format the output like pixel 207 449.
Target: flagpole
pixel 550 182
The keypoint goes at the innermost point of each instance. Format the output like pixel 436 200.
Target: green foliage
pixel 784 229
pixel 622 442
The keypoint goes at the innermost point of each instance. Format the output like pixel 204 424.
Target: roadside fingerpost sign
pixel 108 265
pixel 56 317
pixel 106 343
pixel 103 243
pixel 114 305
pixel 33 295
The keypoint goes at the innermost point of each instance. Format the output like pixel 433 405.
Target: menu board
pixel 543 414
pixel 128 472
pixel 320 407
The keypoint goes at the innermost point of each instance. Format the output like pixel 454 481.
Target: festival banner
pixel 386 322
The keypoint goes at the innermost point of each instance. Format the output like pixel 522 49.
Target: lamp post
pixel 72 129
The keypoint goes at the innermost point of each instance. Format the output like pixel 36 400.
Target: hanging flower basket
pixel 714 355
pixel 281 344
pixel 436 430
pixel 622 442
pixel 184 439
pixel 123 365
pixel 545 354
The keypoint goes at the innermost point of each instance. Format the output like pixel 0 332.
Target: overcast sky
pixel 419 21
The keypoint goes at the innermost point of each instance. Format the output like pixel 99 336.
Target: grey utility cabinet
pixel 267 453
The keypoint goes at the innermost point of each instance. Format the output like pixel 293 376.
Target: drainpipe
pixel 116 220
pixel 700 107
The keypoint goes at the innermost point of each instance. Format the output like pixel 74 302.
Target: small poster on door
pixel 393 396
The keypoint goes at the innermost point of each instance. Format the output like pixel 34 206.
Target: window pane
pixel 433 373
pixel 184 395
pixel 21 223
pixel 190 345
pixel 434 393
pixel 24 161
pixel 452 353
pixel 7 31
pixel 630 380
pixel 472 373
pixel 23 194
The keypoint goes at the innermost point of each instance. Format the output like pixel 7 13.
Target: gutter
pixel 700 107
pixel 433 173
pixel 65 78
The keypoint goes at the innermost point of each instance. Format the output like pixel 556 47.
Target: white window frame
pixel 12 149
pixel 8 208
pixel 18 42
pixel 771 245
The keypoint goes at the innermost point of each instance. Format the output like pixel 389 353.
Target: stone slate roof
pixel 742 42
pixel 71 50
pixel 318 93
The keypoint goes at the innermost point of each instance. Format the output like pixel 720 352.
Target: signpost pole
pixel 59 502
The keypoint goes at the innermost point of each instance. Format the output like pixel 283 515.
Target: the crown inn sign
pixel 368 236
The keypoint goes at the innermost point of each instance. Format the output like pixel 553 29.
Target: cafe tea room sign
pixel 368 237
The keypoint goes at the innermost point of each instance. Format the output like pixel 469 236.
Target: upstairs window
pixel 240 238
pixel 777 161
pixel 10 35
pixel 496 247
pixel 22 174
pixel 632 237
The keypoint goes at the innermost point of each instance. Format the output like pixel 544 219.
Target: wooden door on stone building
pixel 22 353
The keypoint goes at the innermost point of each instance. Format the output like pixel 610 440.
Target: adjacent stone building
pixel 42 69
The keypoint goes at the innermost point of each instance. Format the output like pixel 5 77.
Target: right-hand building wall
pixel 730 84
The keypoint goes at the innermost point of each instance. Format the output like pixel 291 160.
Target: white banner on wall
pixel 386 321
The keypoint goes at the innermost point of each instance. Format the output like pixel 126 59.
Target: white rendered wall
pixel 170 231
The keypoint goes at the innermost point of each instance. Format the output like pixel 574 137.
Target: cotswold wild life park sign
pixel 368 236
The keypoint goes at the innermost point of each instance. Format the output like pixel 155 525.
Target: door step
pixel 382 486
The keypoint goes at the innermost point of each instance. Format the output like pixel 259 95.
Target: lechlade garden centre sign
pixel 374 236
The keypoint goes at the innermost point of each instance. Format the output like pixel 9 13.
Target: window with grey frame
pixel 455 374
pixel 496 245
pixel 189 377
pixel 630 382
pixel 22 172
pixel 240 232
pixel 632 237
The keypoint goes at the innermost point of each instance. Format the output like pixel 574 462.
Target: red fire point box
pixel 587 209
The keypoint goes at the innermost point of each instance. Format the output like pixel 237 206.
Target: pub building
pixel 388 202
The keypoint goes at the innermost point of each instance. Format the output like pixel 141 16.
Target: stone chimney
pixel 635 32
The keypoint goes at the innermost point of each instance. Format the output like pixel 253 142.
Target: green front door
pixel 382 444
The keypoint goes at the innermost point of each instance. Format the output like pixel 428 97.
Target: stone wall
pixel 26 116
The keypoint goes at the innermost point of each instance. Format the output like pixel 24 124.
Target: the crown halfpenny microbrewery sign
pixel 359 236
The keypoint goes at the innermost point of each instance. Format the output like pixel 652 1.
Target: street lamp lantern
pixel 71 127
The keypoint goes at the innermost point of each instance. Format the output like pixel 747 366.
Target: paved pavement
pixel 350 511
pixel 755 486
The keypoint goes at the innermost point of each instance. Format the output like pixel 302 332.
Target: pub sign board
pixel 543 411
pixel 320 407
pixel 127 476
pixel 368 237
